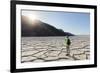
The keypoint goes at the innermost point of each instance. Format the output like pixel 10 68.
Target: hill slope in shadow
pixel 39 28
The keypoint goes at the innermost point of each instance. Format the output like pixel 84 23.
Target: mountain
pixel 39 28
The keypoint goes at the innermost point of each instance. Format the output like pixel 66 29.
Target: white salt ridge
pixel 45 49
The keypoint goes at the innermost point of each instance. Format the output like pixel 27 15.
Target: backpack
pixel 68 42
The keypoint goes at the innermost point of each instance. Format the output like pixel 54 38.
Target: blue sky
pixel 74 22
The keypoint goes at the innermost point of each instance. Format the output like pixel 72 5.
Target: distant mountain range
pixel 39 28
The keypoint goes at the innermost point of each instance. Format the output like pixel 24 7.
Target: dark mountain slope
pixel 39 28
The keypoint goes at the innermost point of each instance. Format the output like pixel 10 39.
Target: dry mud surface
pixel 44 49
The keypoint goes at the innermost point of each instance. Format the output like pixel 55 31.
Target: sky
pixel 77 23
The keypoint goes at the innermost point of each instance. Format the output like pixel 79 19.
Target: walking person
pixel 68 43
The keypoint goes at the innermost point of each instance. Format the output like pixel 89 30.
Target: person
pixel 68 43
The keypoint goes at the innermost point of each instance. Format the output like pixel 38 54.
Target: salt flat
pixel 45 49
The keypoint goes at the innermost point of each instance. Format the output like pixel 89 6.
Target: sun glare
pixel 32 17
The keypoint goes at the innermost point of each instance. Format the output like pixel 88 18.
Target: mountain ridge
pixel 39 28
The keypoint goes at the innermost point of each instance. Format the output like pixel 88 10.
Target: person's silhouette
pixel 68 43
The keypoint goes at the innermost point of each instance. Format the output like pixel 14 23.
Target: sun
pixel 32 17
